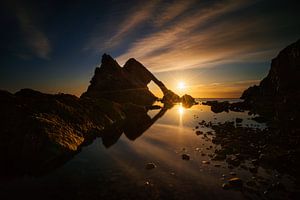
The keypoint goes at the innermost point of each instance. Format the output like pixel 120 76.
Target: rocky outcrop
pixel 123 85
pixel 37 128
pixel 279 92
pixel 126 84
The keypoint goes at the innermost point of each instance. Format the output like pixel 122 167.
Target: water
pixel 118 171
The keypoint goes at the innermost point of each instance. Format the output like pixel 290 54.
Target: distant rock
pixel 225 106
pixel 188 100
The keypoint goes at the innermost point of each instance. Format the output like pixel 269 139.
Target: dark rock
pixel 205 162
pixel 278 94
pixel 185 157
pixel 123 85
pixel 235 182
pixel 188 101
pixel 150 166
pixel 238 120
pixel 38 128
pixel 199 132
pixel 226 186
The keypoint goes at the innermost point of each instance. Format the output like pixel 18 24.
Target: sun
pixel 181 85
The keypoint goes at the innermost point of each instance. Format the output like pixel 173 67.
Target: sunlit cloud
pixel 190 43
pixel 36 40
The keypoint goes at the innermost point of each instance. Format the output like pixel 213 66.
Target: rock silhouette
pixel 128 84
pixel 279 92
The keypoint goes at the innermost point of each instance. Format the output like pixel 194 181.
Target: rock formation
pixel 127 84
pixel 279 92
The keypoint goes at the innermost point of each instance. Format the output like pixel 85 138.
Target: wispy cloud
pixel 190 42
pixel 171 11
pixel 139 15
pixel 36 40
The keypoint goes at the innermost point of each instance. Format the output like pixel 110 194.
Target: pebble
pixel 205 162
pixel 185 157
pixel 236 182
pixel 226 186
pixel 199 132
pixel 150 166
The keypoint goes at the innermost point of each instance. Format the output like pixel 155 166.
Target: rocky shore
pixel 38 131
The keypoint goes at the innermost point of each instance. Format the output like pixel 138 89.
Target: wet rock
pixel 185 157
pixel 199 132
pixel 233 161
pixel 251 183
pixel 150 166
pixel 219 156
pixel 253 169
pixel 226 186
pixel 235 182
pixel 205 162
pixel 238 120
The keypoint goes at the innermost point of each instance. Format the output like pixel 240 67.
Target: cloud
pixel 140 14
pixel 36 40
pixel 171 11
pixel 203 38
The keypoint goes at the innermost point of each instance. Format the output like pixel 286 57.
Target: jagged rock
pixel 128 84
pixel 278 94
pixel 123 85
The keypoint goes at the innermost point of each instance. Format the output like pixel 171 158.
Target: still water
pixel 118 170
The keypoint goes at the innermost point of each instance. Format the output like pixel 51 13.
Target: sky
pixel 214 48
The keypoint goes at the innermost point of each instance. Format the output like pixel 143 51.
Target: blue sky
pixel 218 48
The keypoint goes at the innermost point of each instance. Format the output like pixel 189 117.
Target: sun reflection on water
pixel 181 112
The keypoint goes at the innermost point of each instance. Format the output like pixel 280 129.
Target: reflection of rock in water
pixel 136 123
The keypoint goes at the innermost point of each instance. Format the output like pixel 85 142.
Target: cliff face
pixel 280 90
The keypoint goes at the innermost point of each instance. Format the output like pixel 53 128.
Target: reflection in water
pixel 180 112
pixel 133 127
